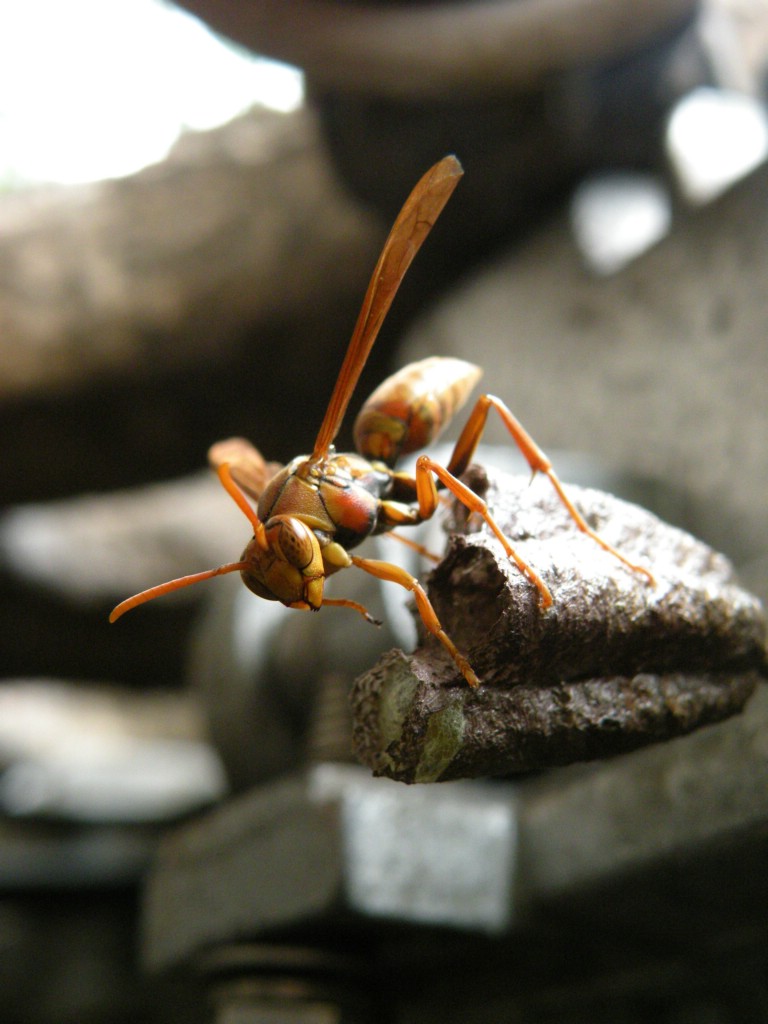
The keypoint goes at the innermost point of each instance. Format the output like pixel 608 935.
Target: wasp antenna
pixel 235 493
pixel 170 586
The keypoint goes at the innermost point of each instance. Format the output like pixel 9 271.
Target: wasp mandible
pixel 311 513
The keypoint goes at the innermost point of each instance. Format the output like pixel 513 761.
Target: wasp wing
pixel 247 465
pixel 413 224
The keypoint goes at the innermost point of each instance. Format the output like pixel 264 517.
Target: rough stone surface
pixel 615 663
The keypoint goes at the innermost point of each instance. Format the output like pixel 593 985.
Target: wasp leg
pixel 426 491
pixel 395 574
pixel 343 602
pixel 536 459
pixel 414 546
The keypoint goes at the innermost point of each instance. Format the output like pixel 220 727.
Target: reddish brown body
pixel 311 513
pixel 344 498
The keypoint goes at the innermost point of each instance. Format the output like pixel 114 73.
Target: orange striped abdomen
pixel 410 409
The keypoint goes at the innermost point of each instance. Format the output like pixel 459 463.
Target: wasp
pixel 311 514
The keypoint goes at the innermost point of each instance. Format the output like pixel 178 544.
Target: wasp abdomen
pixel 410 409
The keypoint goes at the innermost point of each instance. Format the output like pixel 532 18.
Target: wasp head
pixel 285 564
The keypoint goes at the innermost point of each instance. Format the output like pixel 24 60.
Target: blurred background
pixel 192 198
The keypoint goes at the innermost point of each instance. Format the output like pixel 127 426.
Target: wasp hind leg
pixel 536 459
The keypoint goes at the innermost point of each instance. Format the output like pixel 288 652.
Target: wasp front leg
pixel 396 574
pixel 536 459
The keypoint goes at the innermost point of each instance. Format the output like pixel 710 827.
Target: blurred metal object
pixel 136 781
pixel 102 756
pixel 522 147
pixel 335 842
pixel 95 547
pixel 270 983
pixel 668 843
pixel 422 50
pixel 73 857
pixel 531 94
pixel 88 776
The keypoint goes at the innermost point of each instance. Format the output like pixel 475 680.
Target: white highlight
pixel 93 89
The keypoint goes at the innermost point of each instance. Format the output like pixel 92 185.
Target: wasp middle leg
pixel 428 498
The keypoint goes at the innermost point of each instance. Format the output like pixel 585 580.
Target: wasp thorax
pixel 287 565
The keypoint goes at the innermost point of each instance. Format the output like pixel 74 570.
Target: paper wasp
pixel 311 513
